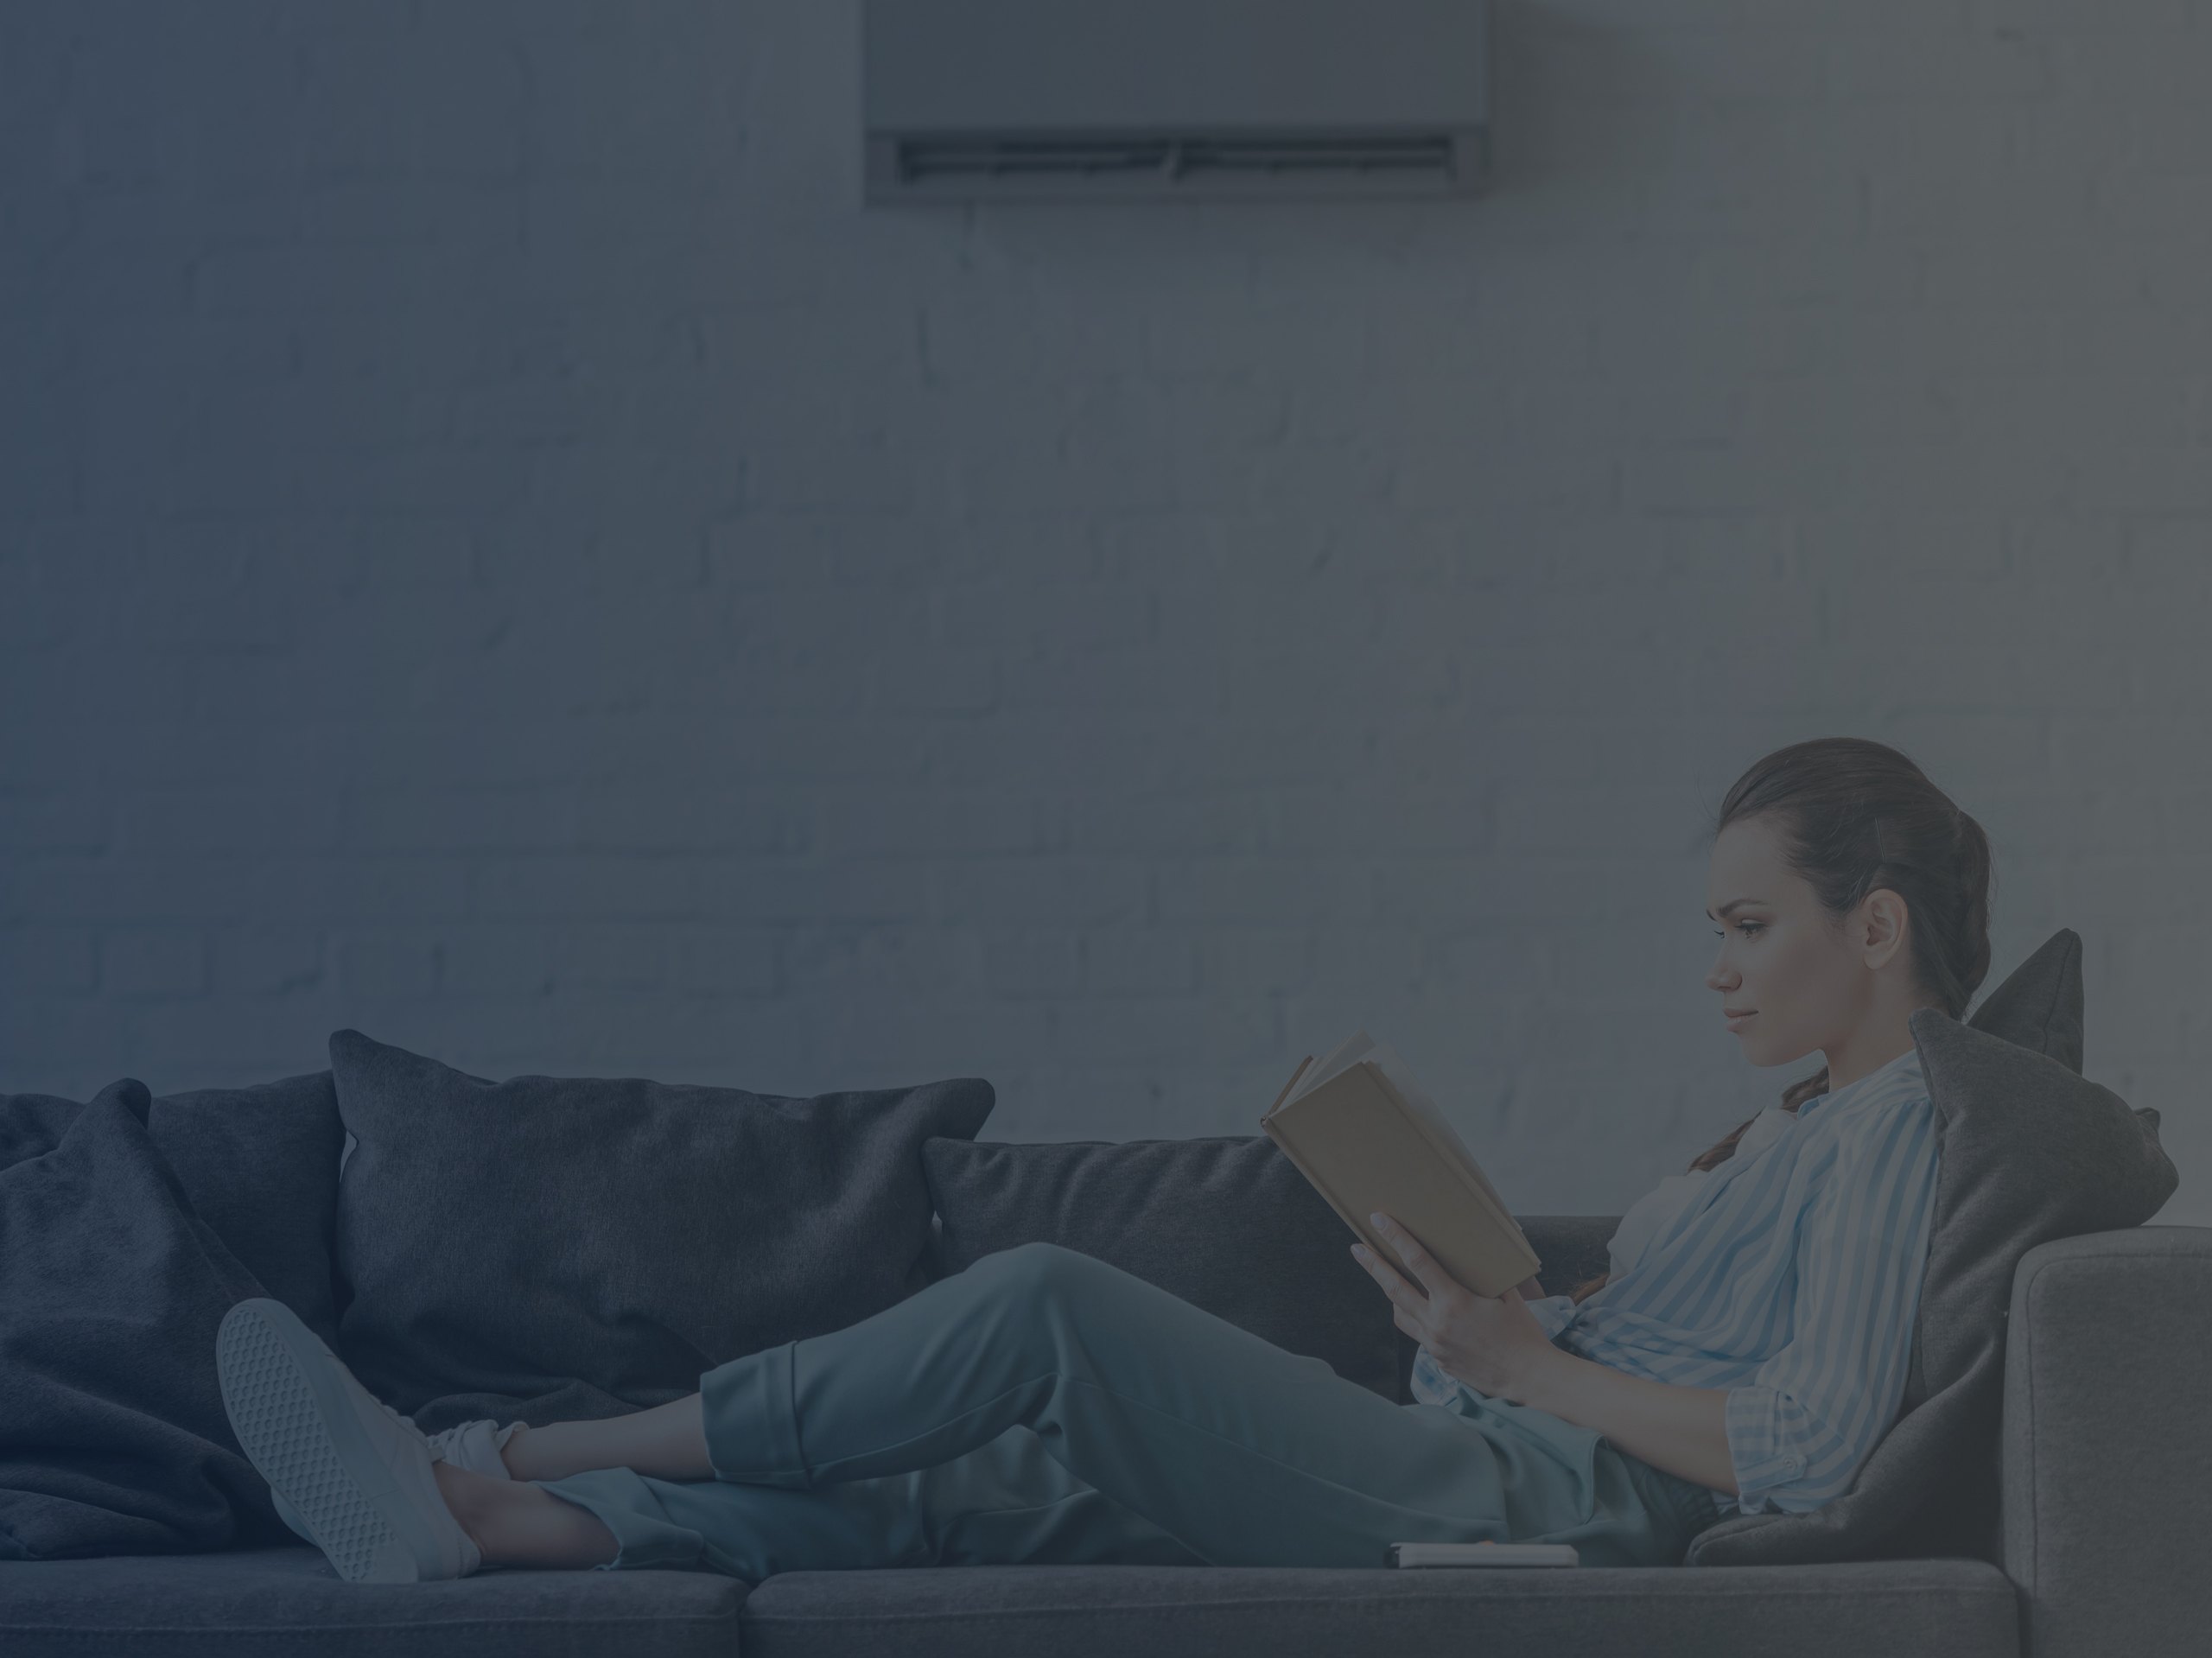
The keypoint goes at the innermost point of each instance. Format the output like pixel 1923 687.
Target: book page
pixel 1340 1059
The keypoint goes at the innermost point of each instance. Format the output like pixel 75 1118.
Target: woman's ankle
pixel 665 1442
pixel 518 1523
pixel 549 1452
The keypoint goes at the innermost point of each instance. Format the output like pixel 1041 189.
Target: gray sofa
pixel 2106 1450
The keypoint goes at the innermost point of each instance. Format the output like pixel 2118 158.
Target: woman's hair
pixel 1854 816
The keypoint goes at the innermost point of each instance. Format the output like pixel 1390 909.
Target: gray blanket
pixel 114 1439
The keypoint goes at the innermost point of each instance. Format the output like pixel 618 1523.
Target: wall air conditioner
pixel 1166 100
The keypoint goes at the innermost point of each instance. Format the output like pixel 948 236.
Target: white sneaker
pixel 348 1472
pixel 474 1445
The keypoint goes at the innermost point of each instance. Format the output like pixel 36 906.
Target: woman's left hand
pixel 1494 1345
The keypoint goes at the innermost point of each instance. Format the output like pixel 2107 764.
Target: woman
pixel 1746 1352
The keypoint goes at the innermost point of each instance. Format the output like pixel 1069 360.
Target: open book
pixel 1371 1139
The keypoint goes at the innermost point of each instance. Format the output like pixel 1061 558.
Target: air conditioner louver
pixel 1087 99
pixel 1429 162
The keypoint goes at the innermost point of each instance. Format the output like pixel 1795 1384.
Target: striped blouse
pixel 1790 1276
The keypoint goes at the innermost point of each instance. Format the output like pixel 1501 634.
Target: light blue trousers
pixel 1043 1407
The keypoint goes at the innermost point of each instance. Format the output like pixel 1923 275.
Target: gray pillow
pixel 1227 1223
pixel 2039 1006
pixel 549 1248
pixel 2031 1152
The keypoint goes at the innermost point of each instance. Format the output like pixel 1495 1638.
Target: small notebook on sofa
pixel 1369 1138
pixel 1411 1554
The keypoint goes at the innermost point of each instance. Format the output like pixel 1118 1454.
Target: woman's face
pixel 1798 980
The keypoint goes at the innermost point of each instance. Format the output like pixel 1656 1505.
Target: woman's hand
pixel 1494 1345
pixel 1497 1348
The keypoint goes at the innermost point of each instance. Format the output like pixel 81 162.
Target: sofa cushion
pixel 259 1165
pixel 1922 1609
pixel 1571 1247
pixel 1227 1223
pixel 113 1438
pixel 550 1248
pixel 2031 1152
pixel 2039 1004
pixel 287 1600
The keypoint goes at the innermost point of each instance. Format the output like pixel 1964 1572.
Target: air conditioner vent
pixel 1012 160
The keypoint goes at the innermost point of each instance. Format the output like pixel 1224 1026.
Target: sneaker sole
pixel 297 1427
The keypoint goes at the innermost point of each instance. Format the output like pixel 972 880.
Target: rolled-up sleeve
pixel 1552 1312
pixel 1799 1430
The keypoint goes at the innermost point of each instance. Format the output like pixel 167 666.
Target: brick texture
pixel 498 549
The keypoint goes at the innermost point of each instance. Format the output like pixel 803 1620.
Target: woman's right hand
pixel 1495 1345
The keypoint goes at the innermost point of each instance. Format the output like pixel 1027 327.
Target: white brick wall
pixel 499 549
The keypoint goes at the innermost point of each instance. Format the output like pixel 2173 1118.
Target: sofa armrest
pixel 2108 1443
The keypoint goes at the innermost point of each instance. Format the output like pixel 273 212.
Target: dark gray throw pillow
pixel 549 1248
pixel 2031 1152
pixel 1226 1223
pixel 2039 1004
pixel 259 1164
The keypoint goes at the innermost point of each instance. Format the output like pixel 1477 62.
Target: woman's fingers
pixel 1418 1261
pixel 1393 1285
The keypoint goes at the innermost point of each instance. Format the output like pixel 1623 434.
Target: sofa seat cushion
pixel 287 1600
pixel 1940 1609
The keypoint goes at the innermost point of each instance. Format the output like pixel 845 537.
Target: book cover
pixel 1368 1142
